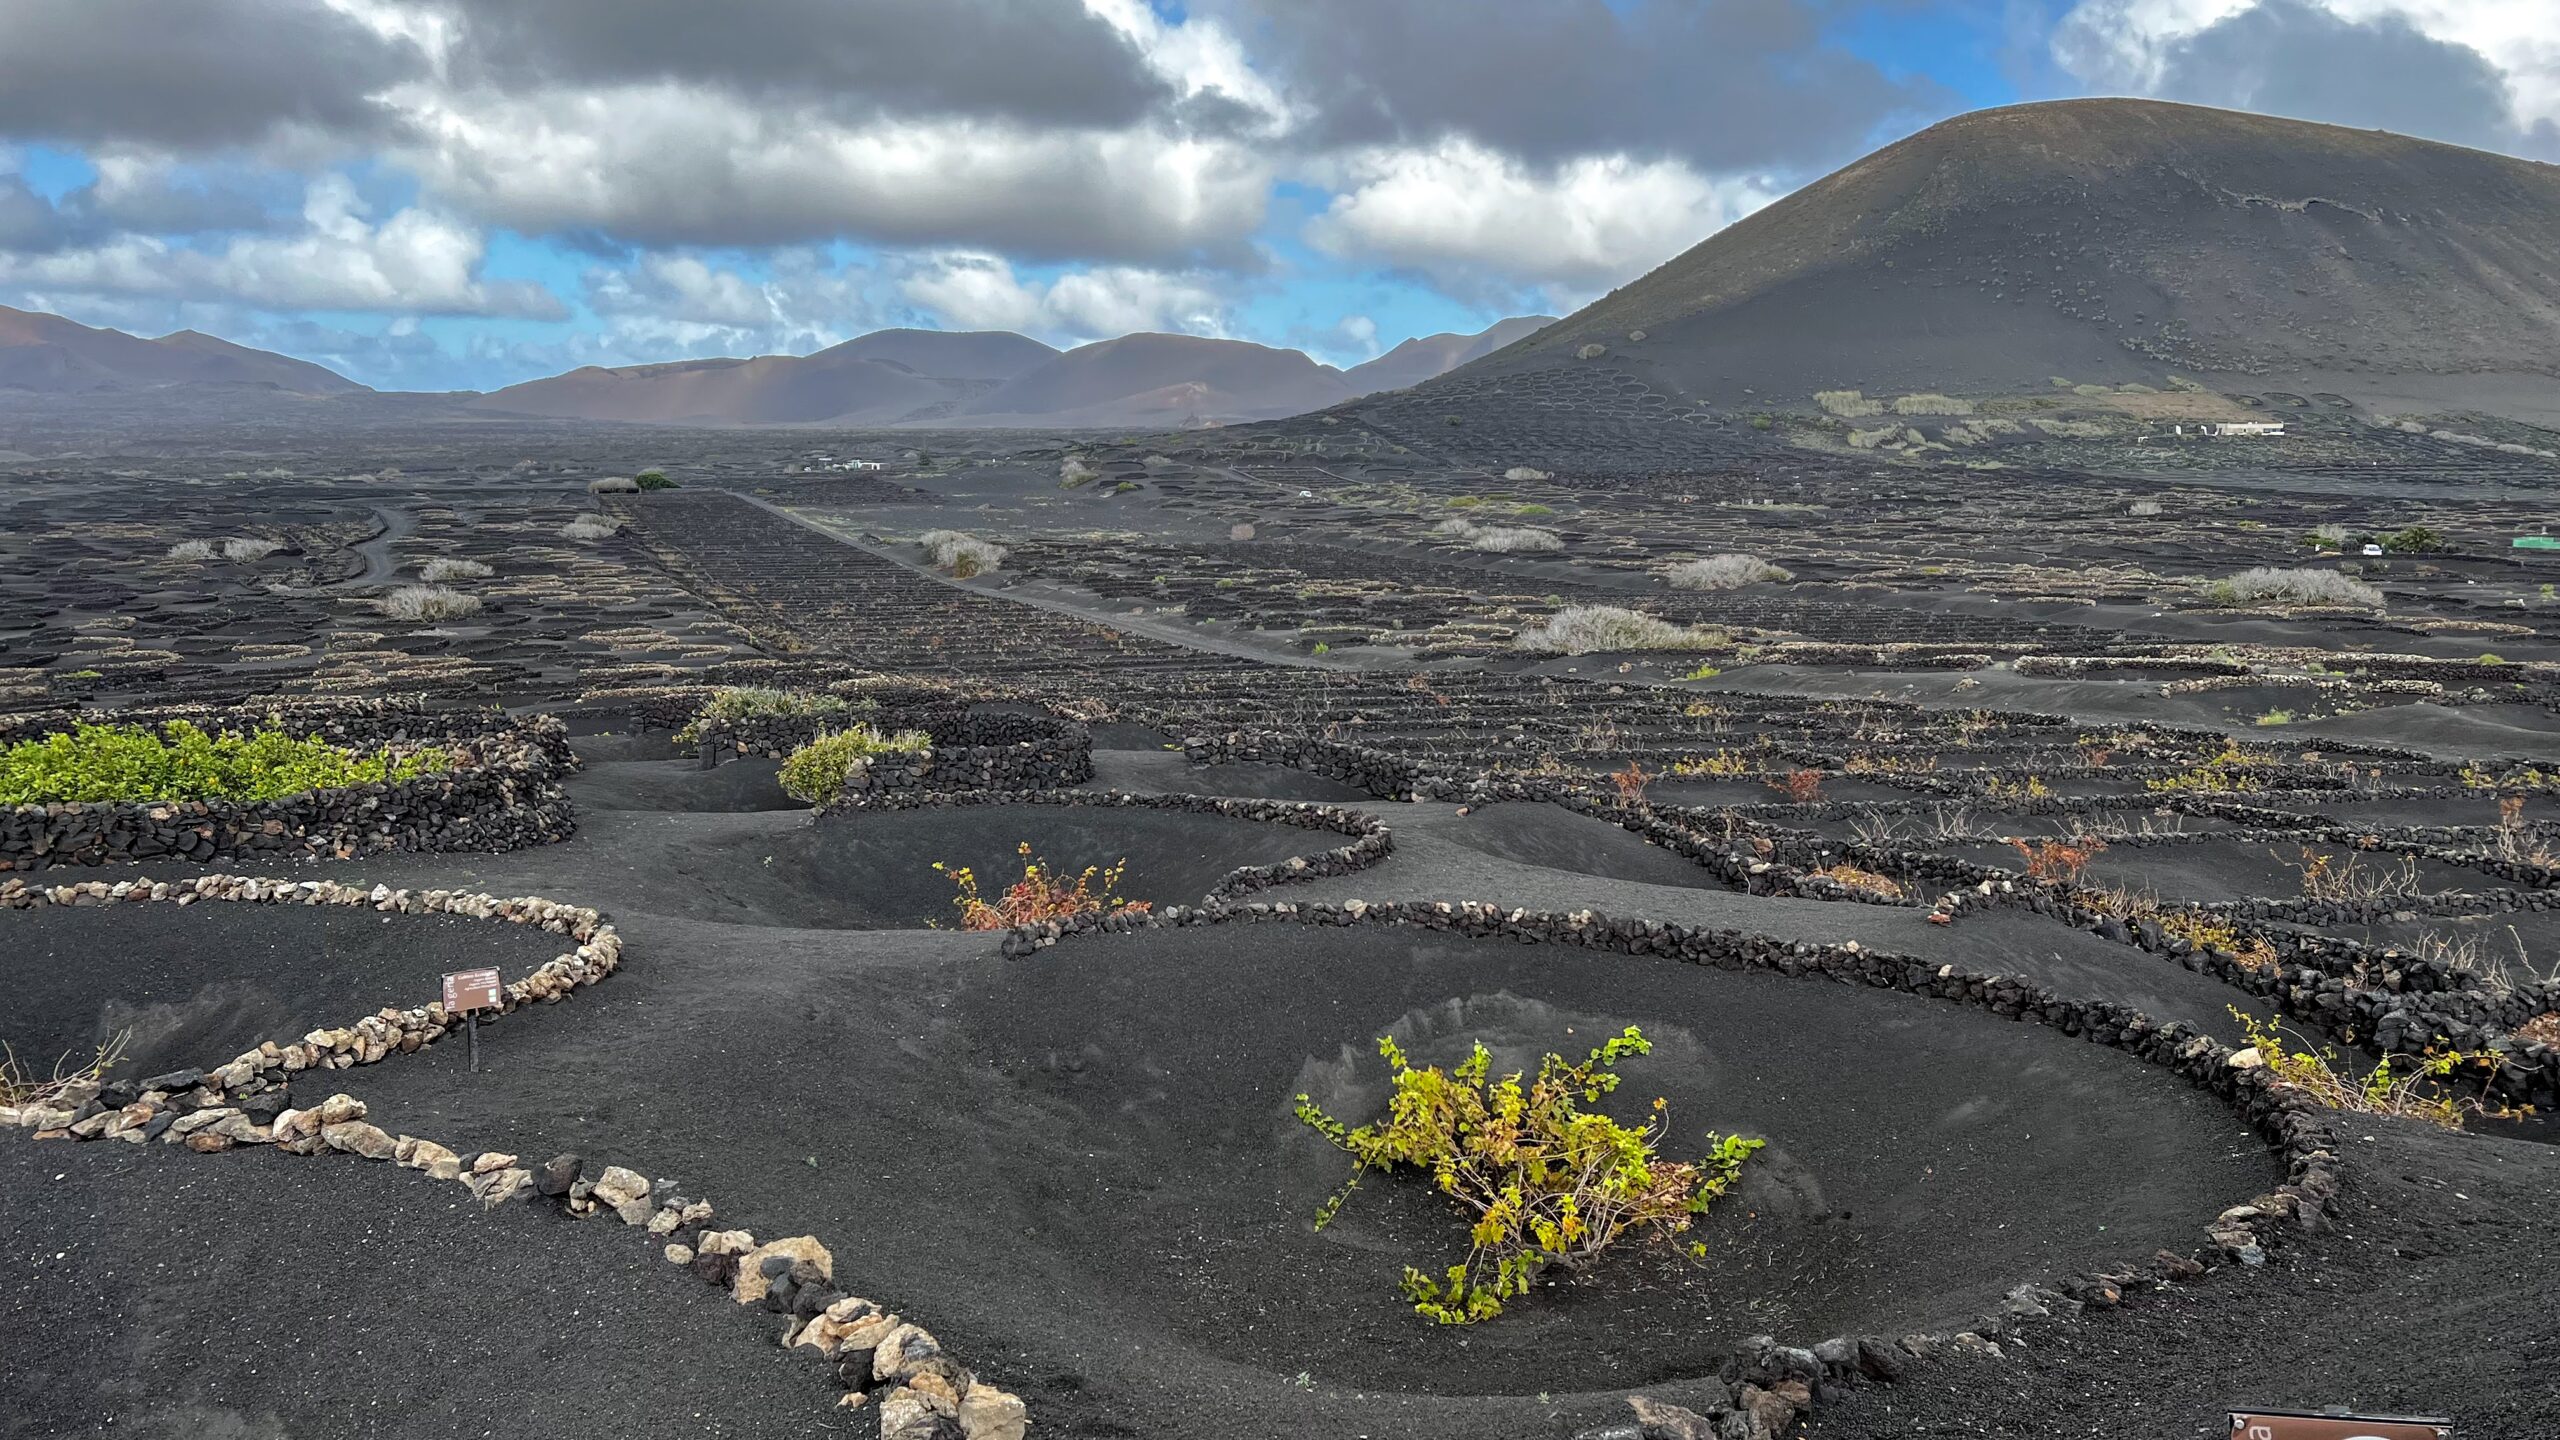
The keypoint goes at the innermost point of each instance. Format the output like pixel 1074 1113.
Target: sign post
pixel 2305 1425
pixel 467 993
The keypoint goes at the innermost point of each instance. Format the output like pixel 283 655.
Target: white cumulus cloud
pixel 983 292
pixel 1466 215
pixel 417 261
pixel 671 164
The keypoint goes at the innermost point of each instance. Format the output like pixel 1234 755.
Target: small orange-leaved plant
pixel 1630 782
pixel 1041 894
pixel 1803 786
pixel 2058 860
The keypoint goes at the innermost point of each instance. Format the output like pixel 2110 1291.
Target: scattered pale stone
pixel 902 1352
pixel 987 1413
pixel 751 1284
pixel 496 1188
pixel 358 1138
pixel 908 1415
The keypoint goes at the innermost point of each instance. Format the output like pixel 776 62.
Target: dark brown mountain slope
pixel 51 355
pixel 2102 240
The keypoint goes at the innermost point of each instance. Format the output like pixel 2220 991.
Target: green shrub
pixel 814 775
pixel 2415 540
pixel 654 479
pixel 95 763
pixel 1539 1180
pixel 742 702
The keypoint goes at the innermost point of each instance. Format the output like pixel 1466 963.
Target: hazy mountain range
pixel 888 378
pixel 52 355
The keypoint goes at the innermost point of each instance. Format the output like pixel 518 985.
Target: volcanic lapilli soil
pixel 1078 1168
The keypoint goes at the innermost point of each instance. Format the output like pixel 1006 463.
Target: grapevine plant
pixel 178 761
pixel 1044 893
pixel 1539 1179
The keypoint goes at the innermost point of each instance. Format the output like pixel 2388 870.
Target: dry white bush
pixel 1870 439
pixel 1724 572
pixel 613 485
pixel 1847 404
pixel 1523 472
pixel 1500 539
pixel 963 555
pixel 1931 403
pixel 193 550
pixel 2143 507
pixel 590 527
pixel 428 602
pixel 246 548
pixel 441 569
pixel 1516 539
pixel 1602 629
pixel 2268 585
pixel 2335 534
pixel 1072 472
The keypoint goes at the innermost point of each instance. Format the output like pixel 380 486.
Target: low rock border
pixel 879 1358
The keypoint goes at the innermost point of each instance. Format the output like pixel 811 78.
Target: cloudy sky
pixel 464 193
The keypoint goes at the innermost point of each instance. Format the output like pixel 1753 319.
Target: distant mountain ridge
pixel 883 379
pixel 2098 241
pixel 50 355
pixel 993 379
pixel 1427 356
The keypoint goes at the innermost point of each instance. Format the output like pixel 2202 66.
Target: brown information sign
pixel 2291 1425
pixel 469 990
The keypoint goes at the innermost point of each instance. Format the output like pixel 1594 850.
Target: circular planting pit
pixel 1755 790
pixel 607 747
pixel 2465 807
pixel 2216 870
pixel 1088 1158
pixel 1554 838
pixel 195 985
pixel 873 869
pixel 1922 1157
pixel 744 784
pixel 1270 782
